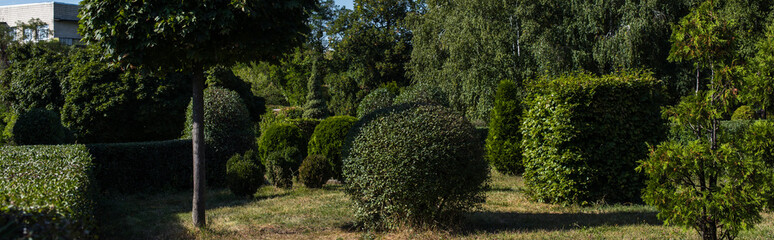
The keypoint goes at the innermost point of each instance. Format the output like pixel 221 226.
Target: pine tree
pixel 315 106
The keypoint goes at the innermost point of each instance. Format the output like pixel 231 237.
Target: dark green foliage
pixel 227 130
pixel 223 77
pixel 758 144
pixel 378 99
pixel 415 165
pixel 743 112
pixel 734 196
pixel 328 139
pixel 278 137
pixel 314 171
pixel 583 136
pixel 142 166
pixel 244 173
pixel 282 165
pixel 307 126
pixel 47 189
pixel 103 104
pixel 39 126
pixel 422 94
pixel 32 80
pixel 315 106
pixel 345 94
pixel 503 144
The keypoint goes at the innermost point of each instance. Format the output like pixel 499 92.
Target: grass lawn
pixel 327 213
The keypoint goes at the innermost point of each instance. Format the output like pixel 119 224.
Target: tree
pixel 193 36
pixel 315 106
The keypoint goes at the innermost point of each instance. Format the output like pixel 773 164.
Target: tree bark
pixel 197 135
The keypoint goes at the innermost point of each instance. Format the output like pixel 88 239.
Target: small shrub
pixel 314 171
pixel 46 192
pixel 583 135
pixel 503 144
pixel 328 139
pixel 422 94
pixel 378 99
pixel 39 127
pixel 278 137
pixel 244 174
pixel 743 113
pixel 143 166
pixel 281 165
pixel 227 130
pixel 414 165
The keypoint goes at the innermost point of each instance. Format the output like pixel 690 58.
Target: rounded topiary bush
pixel 414 165
pixel 244 174
pixel 378 99
pixel 280 136
pixel 743 113
pixel 503 143
pixel 38 126
pixel 307 126
pixel 422 94
pixel 227 130
pixel 328 138
pixel 281 165
pixel 314 171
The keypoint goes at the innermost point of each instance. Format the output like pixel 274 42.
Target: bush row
pixel 583 136
pixel 46 192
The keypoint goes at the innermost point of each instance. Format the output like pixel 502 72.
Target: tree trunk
pixel 197 135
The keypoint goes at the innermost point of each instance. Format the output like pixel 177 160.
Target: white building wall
pixel 61 18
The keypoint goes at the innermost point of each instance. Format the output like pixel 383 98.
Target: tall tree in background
pixel 193 36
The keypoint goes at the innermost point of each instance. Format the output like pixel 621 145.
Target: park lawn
pixel 327 213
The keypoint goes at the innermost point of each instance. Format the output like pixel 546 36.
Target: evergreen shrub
pixel 378 99
pixel 415 165
pixel 244 173
pixel 282 165
pixel 422 94
pixel 503 144
pixel 278 137
pixel 583 136
pixel 227 130
pixel 307 126
pixel 314 171
pixel 39 127
pixel 328 139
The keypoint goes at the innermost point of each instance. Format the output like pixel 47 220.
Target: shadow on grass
pixel 494 222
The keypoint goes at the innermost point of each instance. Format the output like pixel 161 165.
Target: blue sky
pixel 345 3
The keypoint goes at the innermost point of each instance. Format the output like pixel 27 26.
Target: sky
pixel 345 3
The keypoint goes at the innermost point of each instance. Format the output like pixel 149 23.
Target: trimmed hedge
pixel 39 127
pixel 583 136
pixel 46 192
pixel 314 171
pixel 422 94
pixel 415 165
pixel 328 139
pixel 143 166
pixel 244 173
pixel 280 136
pixel 227 130
pixel 378 99
pixel 503 144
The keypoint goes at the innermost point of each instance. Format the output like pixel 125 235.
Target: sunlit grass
pixel 327 213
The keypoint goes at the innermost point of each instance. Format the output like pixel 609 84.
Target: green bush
pixel 280 136
pixel 743 113
pixel 103 104
pixel 227 130
pixel 758 144
pixel 307 126
pixel 143 166
pixel 220 76
pixel 328 139
pixel 39 127
pixel 281 165
pixel 583 136
pixel 33 77
pixel 378 99
pixel 422 94
pixel 413 165
pixel 46 192
pixel 244 173
pixel 503 144
pixel 314 171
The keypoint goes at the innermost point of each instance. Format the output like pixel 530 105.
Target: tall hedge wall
pixel 143 166
pixel 46 192
pixel 583 136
